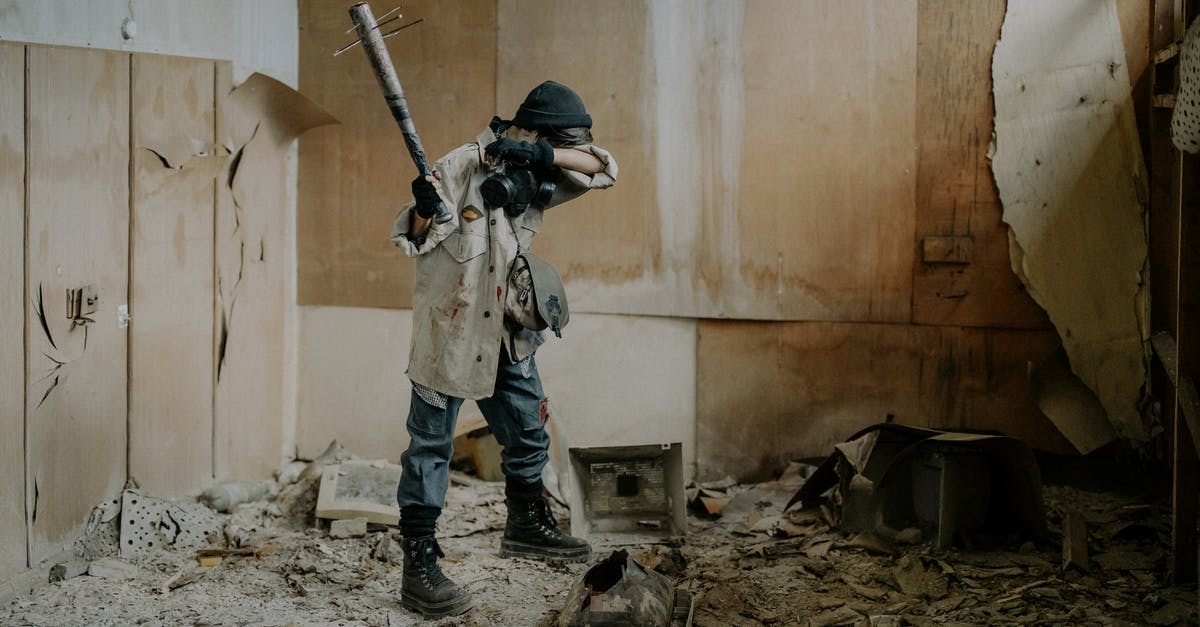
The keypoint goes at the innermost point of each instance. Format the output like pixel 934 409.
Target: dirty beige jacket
pixel 462 271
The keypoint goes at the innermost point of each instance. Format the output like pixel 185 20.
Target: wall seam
pixel 25 309
pixel 129 285
pixel 216 277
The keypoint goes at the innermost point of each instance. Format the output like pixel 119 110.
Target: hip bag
pixel 536 299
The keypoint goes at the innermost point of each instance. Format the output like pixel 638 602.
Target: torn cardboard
pixel 1068 166
pixel 943 482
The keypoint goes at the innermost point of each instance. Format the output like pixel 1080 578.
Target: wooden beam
pixel 1188 402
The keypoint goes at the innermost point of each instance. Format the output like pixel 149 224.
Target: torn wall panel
pixel 256 123
pixel 175 166
pixel 1068 166
pixel 12 309
pixel 78 194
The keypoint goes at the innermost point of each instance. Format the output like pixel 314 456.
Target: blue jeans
pixel 516 413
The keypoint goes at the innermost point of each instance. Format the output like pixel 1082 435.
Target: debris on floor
pixel 753 563
pixel 360 489
pixel 619 591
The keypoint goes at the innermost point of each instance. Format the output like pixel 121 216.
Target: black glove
pixel 426 196
pixel 540 154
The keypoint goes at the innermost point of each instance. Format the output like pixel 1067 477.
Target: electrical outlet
pixel 82 302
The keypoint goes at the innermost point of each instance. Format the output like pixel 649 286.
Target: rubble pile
pixel 748 560
pixel 759 565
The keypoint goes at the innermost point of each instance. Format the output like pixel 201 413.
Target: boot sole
pixel 512 548
pixel 436 610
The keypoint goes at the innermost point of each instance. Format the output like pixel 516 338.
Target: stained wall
pixel 807 184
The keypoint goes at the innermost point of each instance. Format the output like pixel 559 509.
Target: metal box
pixel 628 494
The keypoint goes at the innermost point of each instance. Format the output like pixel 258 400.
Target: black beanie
pixel 552 105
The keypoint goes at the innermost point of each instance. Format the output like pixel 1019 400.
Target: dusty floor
pixel 752 566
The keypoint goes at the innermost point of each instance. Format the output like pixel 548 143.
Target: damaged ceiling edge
pixel 1069 169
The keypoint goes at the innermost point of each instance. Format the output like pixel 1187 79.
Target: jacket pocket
pixel 464 247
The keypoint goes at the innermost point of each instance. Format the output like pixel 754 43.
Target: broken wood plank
pixel 182 578
pixel 248 552
pixel 1166 54
pixel 1075 550
pixel 1185 390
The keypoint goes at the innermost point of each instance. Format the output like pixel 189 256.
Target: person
pixel 464 346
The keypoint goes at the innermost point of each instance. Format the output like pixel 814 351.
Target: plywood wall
pixel 12 308
pixel 780 161
pixel 753 186
pixel 171 294
pixel 962 274
pixel 767 153
pixel 111 181
pixel 617 237
pixel 78 208
pixel 354 176
pixel 771 392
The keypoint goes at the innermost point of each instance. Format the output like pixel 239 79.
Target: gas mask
pixel 515 188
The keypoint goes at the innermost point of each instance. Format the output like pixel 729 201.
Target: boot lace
pixel 426 555
pixel 545 518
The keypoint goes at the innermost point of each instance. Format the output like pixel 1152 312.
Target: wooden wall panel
pixel 12 309
pixel 956 193
pixel 354 176
pixel 771 392
pixel 766 151
pixel 826 187
pixel 766 154
pixel 78 169
pixel 170 344
pixel 607 242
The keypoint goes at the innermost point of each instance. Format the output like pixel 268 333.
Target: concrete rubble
pixel 753 564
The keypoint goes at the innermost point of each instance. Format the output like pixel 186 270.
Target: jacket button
pixel 491 268
pixel 479 358
pixel 487 314
pixel 493 222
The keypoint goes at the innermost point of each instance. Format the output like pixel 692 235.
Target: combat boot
pixel 532 532
pixel 424 588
